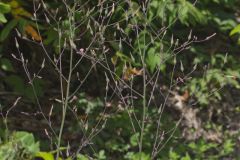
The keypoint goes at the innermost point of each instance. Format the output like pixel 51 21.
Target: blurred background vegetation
pixel 210 127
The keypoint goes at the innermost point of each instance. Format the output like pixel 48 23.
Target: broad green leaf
pixel 153 59
pixel 134 139
pixel 81 157
pixel 2 18
pixel 45 155
pixel 4 8
pixel 235 30
pixel 27 141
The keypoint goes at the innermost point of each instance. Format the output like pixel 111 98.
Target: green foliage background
pixel 219 54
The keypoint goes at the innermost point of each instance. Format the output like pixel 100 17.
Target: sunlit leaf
pixel 32 32
pixel 2 18
pixel 17 10
pixel 235 30
pixel 114 59
pixel 130 72
pixel 45 155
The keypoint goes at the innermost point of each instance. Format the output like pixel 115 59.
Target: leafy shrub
pixel 130 42
pixel 20 145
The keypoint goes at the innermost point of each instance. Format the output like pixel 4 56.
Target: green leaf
pixel 4 8
pixel 52 36
pixel 123 57
pixel 173 155
pixel 153 59
pixel 137 156
pixel 81 157
pixel 6 65
pixel 45 155
pixel 21 24
pixel 186 157
pixel 228 147
pixel 20 143
pixel 7 152
pixel 2 18
pixel 101 155
pixel 134 139
pixel 27 141
pixel 189 14
pixel 235 30
pixel 7 29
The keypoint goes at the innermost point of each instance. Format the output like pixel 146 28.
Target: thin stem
pixel 66 102
pixel 144 94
